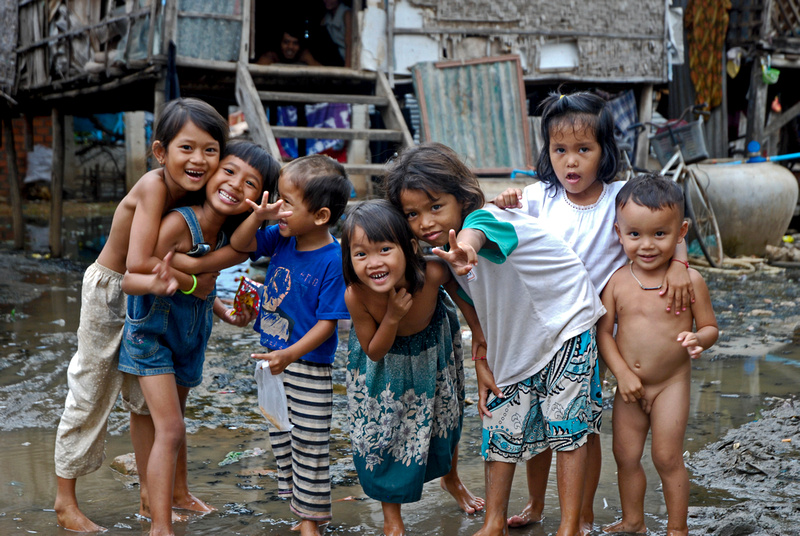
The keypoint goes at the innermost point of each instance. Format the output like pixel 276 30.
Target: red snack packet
pixel 246 295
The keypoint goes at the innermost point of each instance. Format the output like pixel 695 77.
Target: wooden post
pixel 244 41
pixel 135 148
pixel 645 114
pixel 57 184
pixel 14 186
pixel 358 150
pixel 756 105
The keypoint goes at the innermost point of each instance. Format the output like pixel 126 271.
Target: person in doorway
pixel 290 51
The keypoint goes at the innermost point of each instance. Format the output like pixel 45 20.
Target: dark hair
pixel 651 190
pixel 433 168
pixel 265 165
pixel 176 113
pixel 323 181
pixel 578 110
pixel 382 222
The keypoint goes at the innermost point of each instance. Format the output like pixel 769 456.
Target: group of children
pixel 549 279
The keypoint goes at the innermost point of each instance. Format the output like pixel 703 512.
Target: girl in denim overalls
pixel 165 337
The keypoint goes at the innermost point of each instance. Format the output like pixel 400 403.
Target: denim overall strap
pixel 194 225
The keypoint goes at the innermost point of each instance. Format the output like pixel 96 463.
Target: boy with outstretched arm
pixel 302 303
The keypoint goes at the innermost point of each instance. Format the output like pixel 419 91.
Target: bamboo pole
pixel 57 184
pixel 14 186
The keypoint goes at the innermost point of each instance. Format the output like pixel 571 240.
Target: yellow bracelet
pixel 194 285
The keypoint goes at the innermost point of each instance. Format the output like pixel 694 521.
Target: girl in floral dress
pixel 405 376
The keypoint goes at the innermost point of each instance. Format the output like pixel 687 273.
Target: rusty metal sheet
pixel 478 108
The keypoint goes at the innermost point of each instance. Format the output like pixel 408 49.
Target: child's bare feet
pixel 625 527
pixel 71 518
pixel 678 532
pixel 190 502
pixel 528 516
pixel 489 529
pixel 468 502
pixel 587 527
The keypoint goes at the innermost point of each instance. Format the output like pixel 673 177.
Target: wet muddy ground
pixel 742 442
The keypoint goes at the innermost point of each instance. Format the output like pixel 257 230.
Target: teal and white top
pixel 531 292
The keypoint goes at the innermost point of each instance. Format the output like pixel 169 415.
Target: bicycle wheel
pixel 704 229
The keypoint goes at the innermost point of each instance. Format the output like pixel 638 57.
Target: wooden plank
pixel 57 185
pixel 392 116
pixel 337 133
pixel 366 169
pixel 256 117
pixel 286 96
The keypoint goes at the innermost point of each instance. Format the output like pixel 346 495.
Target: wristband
pixel 194 285
pixel 685 263
pixel 476 358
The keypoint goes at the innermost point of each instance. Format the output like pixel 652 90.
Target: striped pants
pixel 303 454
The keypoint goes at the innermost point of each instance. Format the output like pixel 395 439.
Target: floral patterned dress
pixel 405 411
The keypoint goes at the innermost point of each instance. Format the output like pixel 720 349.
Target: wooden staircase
pixel 257 86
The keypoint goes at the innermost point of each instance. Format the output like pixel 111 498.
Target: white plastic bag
pixel 272 397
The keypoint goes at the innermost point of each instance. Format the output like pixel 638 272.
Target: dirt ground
pixel 757 464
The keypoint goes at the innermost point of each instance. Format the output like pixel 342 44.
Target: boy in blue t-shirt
pixel 302 302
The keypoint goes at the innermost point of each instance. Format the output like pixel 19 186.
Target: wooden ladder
pixel 290 85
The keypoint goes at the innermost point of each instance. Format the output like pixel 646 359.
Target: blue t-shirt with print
pixel 300 288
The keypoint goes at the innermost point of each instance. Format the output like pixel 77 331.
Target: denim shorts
pixel 167 335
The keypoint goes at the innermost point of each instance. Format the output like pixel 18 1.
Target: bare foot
pixel 625 528
pixel 464 497
pixel 586 528
pixel 492 531
pixel 678 532
pixel 144 513
pixel 393 529
pixel 190 502
pixel 71 518
pixel 296 528
pixel 527 517
pixel 307 527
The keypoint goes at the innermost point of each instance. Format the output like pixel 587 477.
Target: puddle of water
pixel 35 348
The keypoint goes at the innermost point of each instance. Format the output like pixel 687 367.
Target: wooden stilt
pixel 14 186
pixel 57 184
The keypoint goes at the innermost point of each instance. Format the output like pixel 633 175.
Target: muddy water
pixel 37 339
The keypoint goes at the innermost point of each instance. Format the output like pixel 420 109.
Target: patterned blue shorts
pixel 557 407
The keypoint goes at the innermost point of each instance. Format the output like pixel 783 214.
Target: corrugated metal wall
pixel 478 109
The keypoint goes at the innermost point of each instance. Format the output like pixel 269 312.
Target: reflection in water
pixel 37 342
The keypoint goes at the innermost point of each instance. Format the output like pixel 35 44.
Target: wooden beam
pixel 288 96
pixel 244 40
pixel 14 184
pixel 57 185
pixel 777 123
pixel 392 116
pixel 337 133
pixel 250 103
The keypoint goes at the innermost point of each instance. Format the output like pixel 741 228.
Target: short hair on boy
pixel 176 113
pixel 382 222
pixel 652 190
pixel 433 168
pixel 259 159
pixel 324 183
pixel 262 162
pixel 580 109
